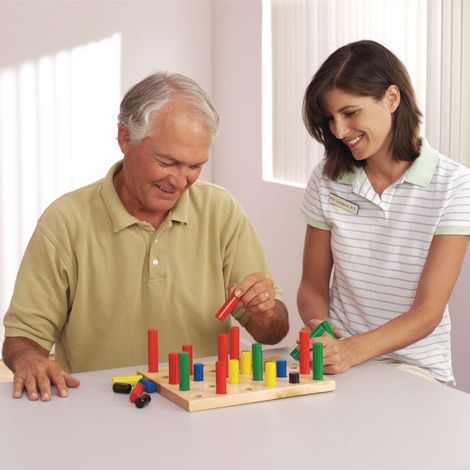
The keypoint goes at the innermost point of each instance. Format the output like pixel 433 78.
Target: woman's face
pixel 362 123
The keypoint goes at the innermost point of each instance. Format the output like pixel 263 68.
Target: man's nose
pixel 179 178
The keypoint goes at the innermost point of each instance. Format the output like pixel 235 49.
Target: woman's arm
pixel 435 286
pixel 313 293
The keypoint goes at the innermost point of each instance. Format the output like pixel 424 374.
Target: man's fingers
pixel 61 380
pixel 71 381
pixel 18 386
pixel 261 293
pixel 57 379
pixel 44 385
pixel 256 288
pixel 31 387
pixel 38 377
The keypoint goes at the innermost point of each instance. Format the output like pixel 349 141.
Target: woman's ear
pixel 392 98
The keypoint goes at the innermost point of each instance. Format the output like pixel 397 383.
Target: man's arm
pixel 269 321
pixel 34 370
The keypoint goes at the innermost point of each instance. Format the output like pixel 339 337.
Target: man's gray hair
pixel 146 99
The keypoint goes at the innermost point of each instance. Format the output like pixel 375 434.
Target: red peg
pixel 189 349
pixel 222 347
pixel 152 342
pixel 173 367
pixel 234 342
pixel 227 307
pixel 136 392
pixel 221 377
pixel 304 348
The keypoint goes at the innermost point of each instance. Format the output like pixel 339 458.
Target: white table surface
pixel 378 418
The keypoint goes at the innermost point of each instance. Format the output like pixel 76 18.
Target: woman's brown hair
pixel 363 68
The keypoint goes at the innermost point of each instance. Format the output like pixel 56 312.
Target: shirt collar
pixel 420 172
pixel 422 169
pixel 118 213
pixel 349 177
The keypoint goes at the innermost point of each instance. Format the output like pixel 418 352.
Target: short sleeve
pixel 245 255
pixel 311 209
pixel 455 219
pixel 39 305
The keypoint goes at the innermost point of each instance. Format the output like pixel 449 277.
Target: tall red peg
pixel 152 344
pixel 221 377
pixel 304 348
pixel 234 342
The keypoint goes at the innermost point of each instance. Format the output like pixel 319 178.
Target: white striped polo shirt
pixel 379 252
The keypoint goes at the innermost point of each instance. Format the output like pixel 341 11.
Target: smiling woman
pixel 343 102
pixel 398 254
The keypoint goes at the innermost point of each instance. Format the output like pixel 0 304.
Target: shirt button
pixel 156 240
pixel 155 262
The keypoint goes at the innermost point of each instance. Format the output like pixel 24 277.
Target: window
pixel 429 37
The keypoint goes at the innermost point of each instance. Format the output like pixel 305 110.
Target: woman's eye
pixel 350 113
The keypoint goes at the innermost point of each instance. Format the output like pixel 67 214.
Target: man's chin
pixel 163 205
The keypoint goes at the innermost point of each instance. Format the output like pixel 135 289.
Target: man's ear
pixel 124 139
pixel 392 97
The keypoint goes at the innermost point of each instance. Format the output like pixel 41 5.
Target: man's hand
pixel 268 321
pixel 257 295
pixel 34 371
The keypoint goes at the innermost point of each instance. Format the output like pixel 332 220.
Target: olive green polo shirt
pixel 94 278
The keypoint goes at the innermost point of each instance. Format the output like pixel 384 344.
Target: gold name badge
pixel 343 204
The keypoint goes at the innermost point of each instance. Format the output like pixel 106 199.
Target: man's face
pixel 162 166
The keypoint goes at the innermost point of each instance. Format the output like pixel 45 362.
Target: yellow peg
pixel 270 374
pixel 233 371
pixel 246 363
pixel 127 379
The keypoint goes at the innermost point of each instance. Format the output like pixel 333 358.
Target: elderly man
pixel 147 246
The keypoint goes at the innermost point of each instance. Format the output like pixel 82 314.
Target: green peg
pixel 318 361
pixel 183 363
pixel 257 353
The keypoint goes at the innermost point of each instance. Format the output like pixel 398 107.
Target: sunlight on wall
pixel 58 119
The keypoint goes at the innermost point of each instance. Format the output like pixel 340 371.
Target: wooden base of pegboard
pixel 202 395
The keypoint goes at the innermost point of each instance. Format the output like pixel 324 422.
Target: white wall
pixel 159 35
pixel 236 88
pixel 460 317
pixel 172 35
pixel 273 208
